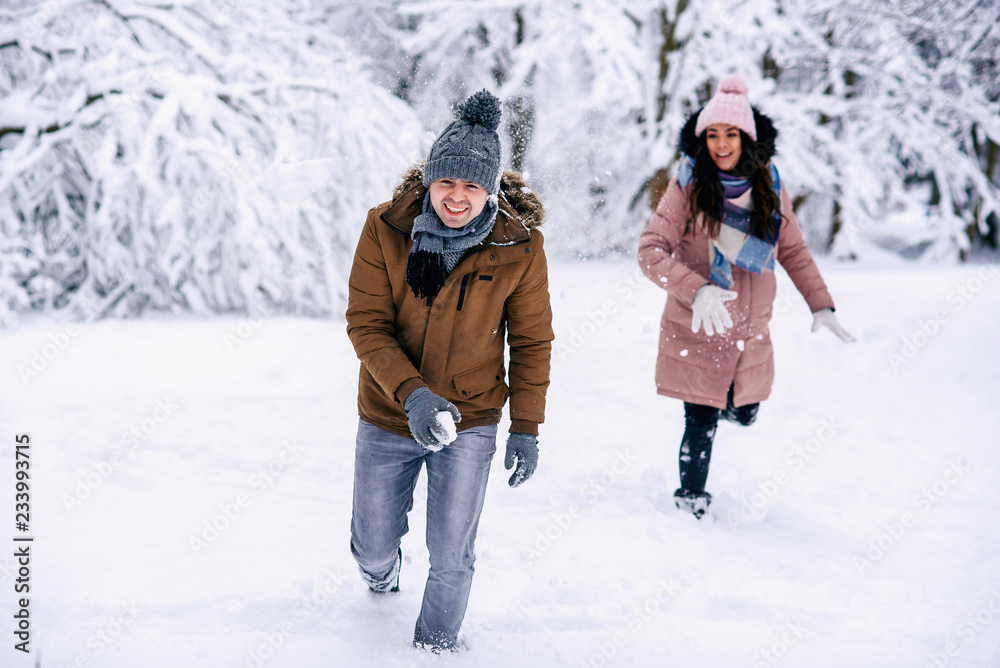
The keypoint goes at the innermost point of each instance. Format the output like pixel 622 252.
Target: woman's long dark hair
pixel 707 194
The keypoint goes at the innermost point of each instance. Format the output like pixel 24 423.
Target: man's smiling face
pixel 457 202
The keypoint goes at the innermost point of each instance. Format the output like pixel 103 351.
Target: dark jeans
pixel 700 423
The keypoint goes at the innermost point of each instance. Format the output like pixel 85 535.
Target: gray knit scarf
pixel 437 249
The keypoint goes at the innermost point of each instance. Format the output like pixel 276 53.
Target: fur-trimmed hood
pixel 517 200
pixel 767 134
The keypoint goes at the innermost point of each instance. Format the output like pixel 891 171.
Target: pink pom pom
pixel 733 84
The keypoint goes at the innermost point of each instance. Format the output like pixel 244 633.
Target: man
pixel 441 273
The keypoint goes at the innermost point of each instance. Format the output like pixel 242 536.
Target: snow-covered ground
pixel 191 494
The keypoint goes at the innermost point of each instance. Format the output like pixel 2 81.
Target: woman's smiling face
pixel 724 145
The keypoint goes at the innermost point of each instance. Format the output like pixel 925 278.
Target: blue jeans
pixel 385 474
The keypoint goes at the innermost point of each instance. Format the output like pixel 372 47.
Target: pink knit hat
pixel 730 106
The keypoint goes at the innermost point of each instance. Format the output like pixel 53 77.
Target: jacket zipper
pixel 461 294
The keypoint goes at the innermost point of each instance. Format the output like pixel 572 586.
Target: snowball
pixel 447 423
pixel 740 344
pixel 684 353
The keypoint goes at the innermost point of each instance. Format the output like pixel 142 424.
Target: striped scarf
pixel 735 244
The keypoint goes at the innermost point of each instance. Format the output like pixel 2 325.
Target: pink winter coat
pixel 698 368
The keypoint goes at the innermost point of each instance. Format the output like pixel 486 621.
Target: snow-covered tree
pixel 214 155
pixel 893 139
pixel 570 75
pixel 895 97
pixel 880 138
pixel 205 156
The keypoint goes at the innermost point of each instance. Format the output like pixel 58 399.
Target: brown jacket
pixel 695 367
pixel 455 346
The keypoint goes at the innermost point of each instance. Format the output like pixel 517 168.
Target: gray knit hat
pixel 469 148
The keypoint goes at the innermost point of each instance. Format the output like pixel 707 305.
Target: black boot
pixel 696 503
pixel 742 415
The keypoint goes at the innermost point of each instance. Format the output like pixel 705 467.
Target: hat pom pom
pixel 482 109
pixel 733 84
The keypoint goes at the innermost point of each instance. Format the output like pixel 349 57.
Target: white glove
pixel 710 309
pixel 825 318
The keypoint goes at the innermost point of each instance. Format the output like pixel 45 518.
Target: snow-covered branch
pixel 153 159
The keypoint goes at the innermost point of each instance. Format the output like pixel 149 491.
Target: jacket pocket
pixel 677 312
pixel 480 379
pixel 465 287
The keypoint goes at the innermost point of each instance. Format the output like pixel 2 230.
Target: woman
pixel 711 244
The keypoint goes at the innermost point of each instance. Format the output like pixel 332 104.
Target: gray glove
pixel 422 407
pixel 523 448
